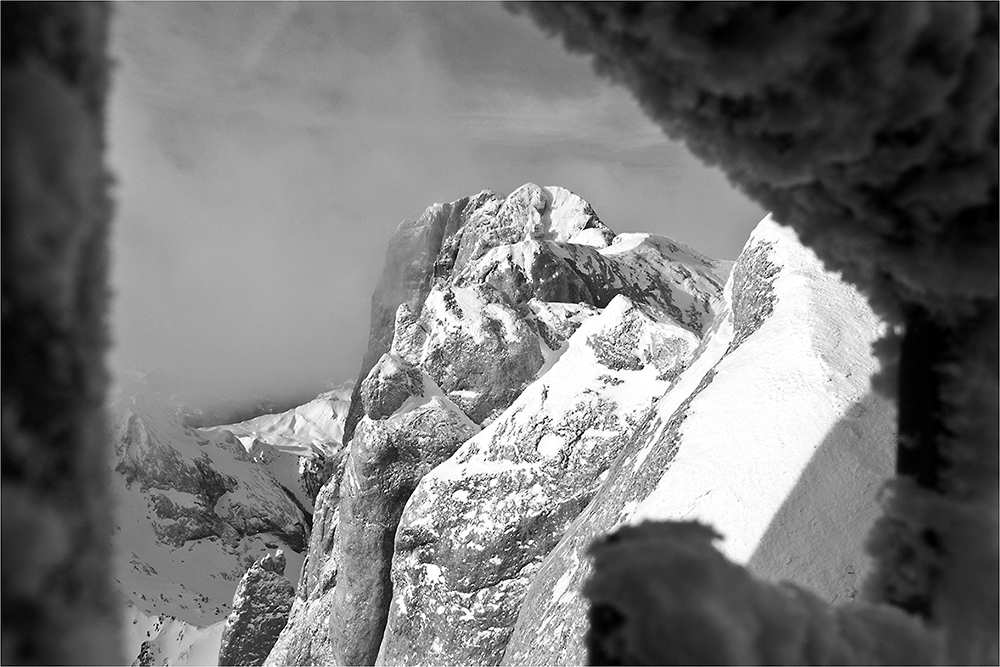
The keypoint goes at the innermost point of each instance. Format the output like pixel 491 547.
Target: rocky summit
pixel 535 381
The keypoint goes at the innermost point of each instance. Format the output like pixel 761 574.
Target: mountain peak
pixel 534 380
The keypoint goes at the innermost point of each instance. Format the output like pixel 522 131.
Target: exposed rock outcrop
pixel 388 458
pixel 305 639
pixel 420 250
pixel 531 212
pixel 648 269
pixel 469 349
pixel 388 385
pixel 260 612
pixel 478 527
pixel 475 346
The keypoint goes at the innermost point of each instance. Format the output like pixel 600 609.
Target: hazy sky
pixel 266 152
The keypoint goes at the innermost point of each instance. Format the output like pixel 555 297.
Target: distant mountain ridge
pixel 197 507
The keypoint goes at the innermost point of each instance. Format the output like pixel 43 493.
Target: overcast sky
pixel 265 153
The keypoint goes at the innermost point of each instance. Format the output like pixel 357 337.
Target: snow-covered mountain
pixel 534 381
pixel 302 446
pixel 198 507
pixel 314 428
pixel 608 379
pixel 194 512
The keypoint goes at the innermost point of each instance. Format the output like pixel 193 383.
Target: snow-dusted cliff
pixel 609 378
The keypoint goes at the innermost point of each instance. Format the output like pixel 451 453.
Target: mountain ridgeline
pixel 534 381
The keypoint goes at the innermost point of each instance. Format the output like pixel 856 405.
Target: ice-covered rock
pixel 665 595
pixel 260 612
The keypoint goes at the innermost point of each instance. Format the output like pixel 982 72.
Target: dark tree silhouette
pixel 871 129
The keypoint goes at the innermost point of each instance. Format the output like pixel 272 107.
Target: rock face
pixel 345 577
pixel 556 381
pixel 474 345
pixel 260 612
pixel 305 639
pixel 193 512
pixel 420 250
pixel 648 269
pixel 388 385
pixel 388 457
pixel 479 525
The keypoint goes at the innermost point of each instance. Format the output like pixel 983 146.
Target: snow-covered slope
pixel 193 512
pixel 316 427
pixel 163 640
pixel 300 446
pixel 786 446
pixel 772 436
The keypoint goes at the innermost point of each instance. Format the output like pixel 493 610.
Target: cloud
pixel 266 152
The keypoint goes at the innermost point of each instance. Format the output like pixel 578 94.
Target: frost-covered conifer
pixel 872 130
